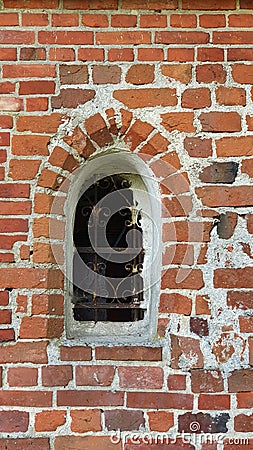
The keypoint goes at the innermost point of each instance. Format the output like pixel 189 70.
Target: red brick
pixel 4 298
pixel 217 122
pixel 30 145
pixel 159 400
pixel 150 54
pixel 240 20
pixel 123 37
pixel 80 141
pixel 36 327
pixel 124 419
pixel 12 190
pixel 140 377
pixel 122 54
pixel 61 38
pixel 230 196
pixel 106 74
pixel 241 300
pixel 4 139
pixel 34 20
pixel 212 20
pixel 90 4
pixel 30 278
pixel 177 206
pixel 23 170
pixel 17 36
pixel 249 218
pixel 153 21
pixel 204 381
pixel 36 104
pixel 179 254
pixel 85 420
pixel 183 20
pixel 140 74
pixel 11 104
pixel 160 420
pixel 39 124
pixel 89 398
pixel 244 423
pixel 13 421
pixel 32 54
pixel 49 420
pixel 179 72
pixel 12 225
pixel 249 120
pixel 230 96
pixel 182 279
pixel 247 167
pixel 22 376
pixel 56 375
pixel 91 54
pixel 62 54
pixel 71 98
pixel 209 73
pixel 25 398
pixel 48 304
pixel 8 54
pixel 176 382
pixel 245 400
pixel 181 37
pixel 189 349
pixel 5 316
pixel 138 133
pixel 124 20
pixel 97 130
pixel 240 54
pixel 175 303
pixel 7 334
pixel 181 54
pixel 210 54
pixel 6 87
pixel 198 148
pixel 233 278
pixel 214 402
pixel 246 324
pixel 146 97
pixel 74 74
pixel 196 98
pixel 34 352
pixel 29 71
pixel 181 121
pixel 64 20
pixel 245 4
pixel 233 37
pixel 240 381
pixel 85 442
pixel 36 87
pixel 24 444
pixel 154 5
pixel 235 146
pixel 94 375
pixel 75 353
pixel 127 353
pixel 242 73
pixel 8 19
pixel 208 4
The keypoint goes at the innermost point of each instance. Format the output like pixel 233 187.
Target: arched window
pixel 114 239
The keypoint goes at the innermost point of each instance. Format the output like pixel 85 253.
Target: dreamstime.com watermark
pixel 196 437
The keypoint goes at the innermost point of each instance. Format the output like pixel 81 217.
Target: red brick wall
pixel 172 81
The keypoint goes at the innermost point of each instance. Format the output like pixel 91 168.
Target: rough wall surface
pixel 172 81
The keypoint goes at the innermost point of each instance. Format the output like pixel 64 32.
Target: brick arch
pixel 95 134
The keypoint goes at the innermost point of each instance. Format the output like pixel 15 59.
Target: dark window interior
pixel 112 289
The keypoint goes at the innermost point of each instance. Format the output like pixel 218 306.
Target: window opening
pixel 107 208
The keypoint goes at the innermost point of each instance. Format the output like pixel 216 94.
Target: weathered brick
pixel 233 278
pixel 127 354
pixel 85 420
pixel 146 97
pixel 244 423
pixel 71 98
pixel 140 377
pixel 214 402
pixel 89 398
pixel 85 443
pixel 94 375
pixel 14 421
pixel 217 122
pixel 196 98
pixel 73 74
pixel 176 382
pixel 189 349
pixel 160 420
pixel 81 353
pixel 220 173
pixel 140 74
pixel 49 420
pixel 159 400
pixel 175 303
pixel 54 375
pixel 206 422
pixel 124 420
pixel 25 398
pixel 106 74
pixel 179 72
pixel 24 444
pixel 206 381
pixel 240 380
pixel 22 376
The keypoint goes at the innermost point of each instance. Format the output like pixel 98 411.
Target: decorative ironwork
pixel 108 241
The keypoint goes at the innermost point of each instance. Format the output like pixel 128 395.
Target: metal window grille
pixel 107 276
